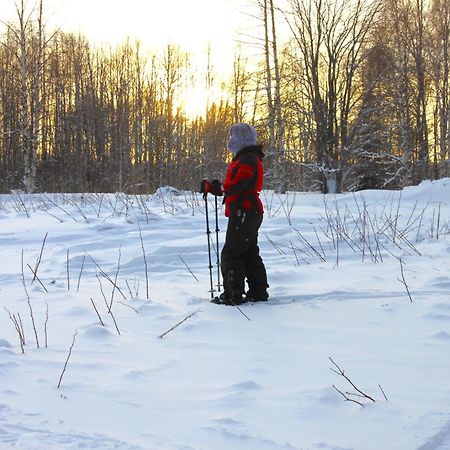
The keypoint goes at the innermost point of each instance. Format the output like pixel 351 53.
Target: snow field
pixel 219 380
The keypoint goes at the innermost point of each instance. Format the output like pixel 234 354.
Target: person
pixel 240 258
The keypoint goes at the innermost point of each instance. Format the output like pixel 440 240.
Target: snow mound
pixel 434 191
pixel 96 332
pixel 4 344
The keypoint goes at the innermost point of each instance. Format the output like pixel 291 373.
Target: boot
pixel 251 296
pixel 229 300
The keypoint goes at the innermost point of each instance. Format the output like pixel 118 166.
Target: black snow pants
pixel 240 258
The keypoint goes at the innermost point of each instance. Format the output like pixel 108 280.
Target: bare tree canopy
pixel 357 97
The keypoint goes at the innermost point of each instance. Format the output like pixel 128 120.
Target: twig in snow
pixel 129 289
pixel 45 326
pixel 403 281
pixel 68 270
pixel 23 279
pixel 29 305
pixel 37 278
pixel 277 248
pixel 179 323
pixel 295 253
pixel 98 315
pixel 109 309
pixel 129 306
pixel 101 288
pixel 240 310
pixel 21 202
pixel 348 399
pixel 115 322
pixel 188 268
pixel 287 210
pixel 340 372
pixel 74 203
pixel 62 209
pixel 105 275
pixel 311 247
pixel 18 329
pixel 115 280
pixel 67 360
pixel 33 323
pixel 38 262
pixel 337 251
pixel 438 221
pixel 145 258
pixel 320 244
pixel 21 327
pixel 384 395
pixel 81 271
pixel 397 215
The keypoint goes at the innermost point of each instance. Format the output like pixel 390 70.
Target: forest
pixel 357 97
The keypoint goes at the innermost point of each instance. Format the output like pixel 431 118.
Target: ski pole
pixel 208 232
pixel 217 246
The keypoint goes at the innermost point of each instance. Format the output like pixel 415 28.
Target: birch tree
pixel 30 39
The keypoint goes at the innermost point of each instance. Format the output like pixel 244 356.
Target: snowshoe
pixel 223 299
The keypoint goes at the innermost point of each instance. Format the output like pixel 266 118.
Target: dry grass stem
pixel 38 262
pixel 179 323
pixel 98 315
pixel 145 259
pixel 67 359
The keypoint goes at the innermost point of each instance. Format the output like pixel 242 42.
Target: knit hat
pixel 241 135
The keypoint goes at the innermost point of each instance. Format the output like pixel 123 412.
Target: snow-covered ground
pixel 363 279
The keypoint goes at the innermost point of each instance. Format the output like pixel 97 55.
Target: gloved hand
pixel 213 187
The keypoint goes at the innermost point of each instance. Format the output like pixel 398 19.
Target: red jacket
pixel 243 182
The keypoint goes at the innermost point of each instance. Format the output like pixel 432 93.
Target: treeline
pixel 357 98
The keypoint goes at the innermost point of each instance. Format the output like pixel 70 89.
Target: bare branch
pixel 340 372
pixel 179 323
pixel 67 360
pixel 81 271
pixel 105 275
pixel 98 315
pixel 18 329
pixel 403 281
pixel 45 326
pixel 39 258
pixel 347 398
pixel 188 268
pixel 23 279
pixel 37 278
pixel 384 395
pixel 145 258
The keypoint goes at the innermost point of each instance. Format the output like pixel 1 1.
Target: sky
pixel 193 24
